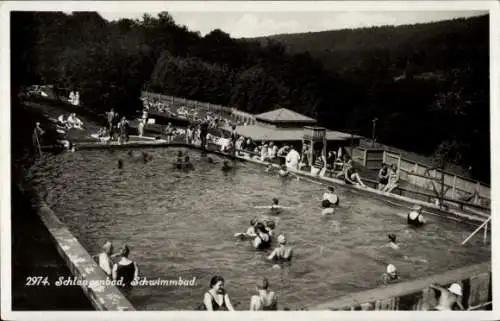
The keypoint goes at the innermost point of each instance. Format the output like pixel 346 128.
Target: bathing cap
pixel 275 200
pixel 391 269
pixel 330 188
pixel 325 203
pixel 456 289
pixel 281 239
pixel 392 237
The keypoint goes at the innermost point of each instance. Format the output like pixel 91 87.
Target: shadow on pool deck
pixel 34 254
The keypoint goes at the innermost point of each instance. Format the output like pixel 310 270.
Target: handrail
pixel 478 229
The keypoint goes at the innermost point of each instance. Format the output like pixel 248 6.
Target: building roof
pixel 283 115
pixel 260 133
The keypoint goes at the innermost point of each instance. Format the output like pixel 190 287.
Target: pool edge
pixel 80 263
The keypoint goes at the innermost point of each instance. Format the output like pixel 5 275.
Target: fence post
pixel 383 157
pixel 399 163
pixel 364 157
pixel 454 184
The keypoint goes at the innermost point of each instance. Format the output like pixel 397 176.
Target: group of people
pixel 388 178
pixel 71 121
pixel 217 299
pixel 117 129
pixel 118 266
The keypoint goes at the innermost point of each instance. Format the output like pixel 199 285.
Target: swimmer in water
pixel 449 297
pixel 262 240
pixel 283 253
pixel 187 163
pixel 391 275
pixel 283 172
pixel 250 233
pixel 120 163
pixel 178 162
pixel 145 157
pixel 210 160
pixel 331 196
pixel 225 166
pixel 415 217
pixel 275 208
pixel 392 242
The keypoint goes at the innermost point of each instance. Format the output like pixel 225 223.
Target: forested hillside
pixel 427 84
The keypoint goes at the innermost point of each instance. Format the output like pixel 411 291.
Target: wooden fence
pixel 227 112
pixel 455 187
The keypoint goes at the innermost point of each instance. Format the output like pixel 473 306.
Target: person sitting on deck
pixel 282 253
pixel 263 239
pixel 272 151
pixel 352 177
pixel 74 122
pixel 393 179
pixel 216 298
pixel 391 275
pixel 283 151
pixel 125 270
pixel 63 123
pixel 266 300
pixel 383 176
pixel 415 217
pixel 345 166
pixel 449 297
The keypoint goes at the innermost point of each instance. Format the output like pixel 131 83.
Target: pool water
pixel 181 224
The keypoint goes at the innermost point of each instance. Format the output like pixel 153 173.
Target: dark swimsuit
pixel 126 272
pixel 264 244
pixel 414 222
pixel 384 180
pixel 216 306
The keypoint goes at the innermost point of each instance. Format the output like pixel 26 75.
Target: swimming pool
pixel 181 224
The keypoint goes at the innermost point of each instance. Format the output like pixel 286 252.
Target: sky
pixel 256 24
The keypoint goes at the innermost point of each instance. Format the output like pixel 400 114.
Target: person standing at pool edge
pixel 126 269
pixel 216 298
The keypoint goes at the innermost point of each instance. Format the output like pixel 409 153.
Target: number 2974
pixel 37 281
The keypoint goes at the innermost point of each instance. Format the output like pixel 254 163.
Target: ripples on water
pixel 181 224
